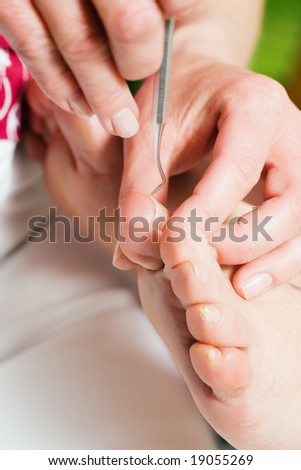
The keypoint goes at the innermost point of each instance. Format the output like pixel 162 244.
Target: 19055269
pixel 224 460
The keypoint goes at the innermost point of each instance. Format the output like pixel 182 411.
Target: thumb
pixel 140 178
pixel 140 173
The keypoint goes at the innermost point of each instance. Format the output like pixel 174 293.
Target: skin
pixel 247 135
pixel 221 360
pixel 251 127
pixel 217 118
pixel 228 360
pixel 82 166
pixel 82 68
pixel 61 142
pixel 211 39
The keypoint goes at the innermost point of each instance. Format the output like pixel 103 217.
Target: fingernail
pixel 80 106
pixel 256 285
pixel 215 356
pixel 125 123
pixel 213 252
pixel 210 314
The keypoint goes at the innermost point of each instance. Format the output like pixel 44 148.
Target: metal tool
pixel 160 104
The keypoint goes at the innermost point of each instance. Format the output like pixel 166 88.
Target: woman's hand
pixel 80 52
pixel 252 128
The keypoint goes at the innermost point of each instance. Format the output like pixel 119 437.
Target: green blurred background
pixel 278 54
pixel 279 49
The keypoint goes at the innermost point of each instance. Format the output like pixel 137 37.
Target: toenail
pixel 256 285
pixel 210 313
pixel 153 212
pixel 119 258
pixel 194 269
pixel 147 262
pixel 121 261
pixel 158 212
pixel 215 356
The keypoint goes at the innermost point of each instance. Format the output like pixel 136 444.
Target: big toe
pixel 140 226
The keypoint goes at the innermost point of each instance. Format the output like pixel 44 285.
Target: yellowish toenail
pixel 147 262
pixel 215 356
pixel 194 269
pixel 210 314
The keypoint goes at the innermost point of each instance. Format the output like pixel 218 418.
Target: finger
pixel 259 231
pixel 181 138
pixel 140 177
pixel 186 137
pixel 29 37
pixel 276 267
pixel 136 31
pixel 85 49
pixel 177 8
pixel 140 170
pixel 239 156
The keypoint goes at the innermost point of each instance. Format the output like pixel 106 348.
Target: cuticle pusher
pixel 161 94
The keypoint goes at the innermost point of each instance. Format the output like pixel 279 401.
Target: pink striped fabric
pixel 13 76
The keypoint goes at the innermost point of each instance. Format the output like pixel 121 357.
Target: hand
pixel 81 52
pixel 250 125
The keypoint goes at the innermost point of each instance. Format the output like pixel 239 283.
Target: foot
pixel 240 359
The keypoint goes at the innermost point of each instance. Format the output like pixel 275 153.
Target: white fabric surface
pixel 80 365
pixel 22 194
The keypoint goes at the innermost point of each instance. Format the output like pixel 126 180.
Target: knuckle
pixel 105 102
pixel 52 87
pixel 26 47
pixel 9 12
pixel 245 252
pixel 83 46
pixel 274 90
pixel 132 22
pixel 270 94
pixel 246 171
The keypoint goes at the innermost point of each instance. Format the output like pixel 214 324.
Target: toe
pixel 191 266
pixel 140 234
pixel 218 325
pixel 226 371
pixel 194 282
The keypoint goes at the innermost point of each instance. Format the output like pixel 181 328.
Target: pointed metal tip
pixel 158 188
